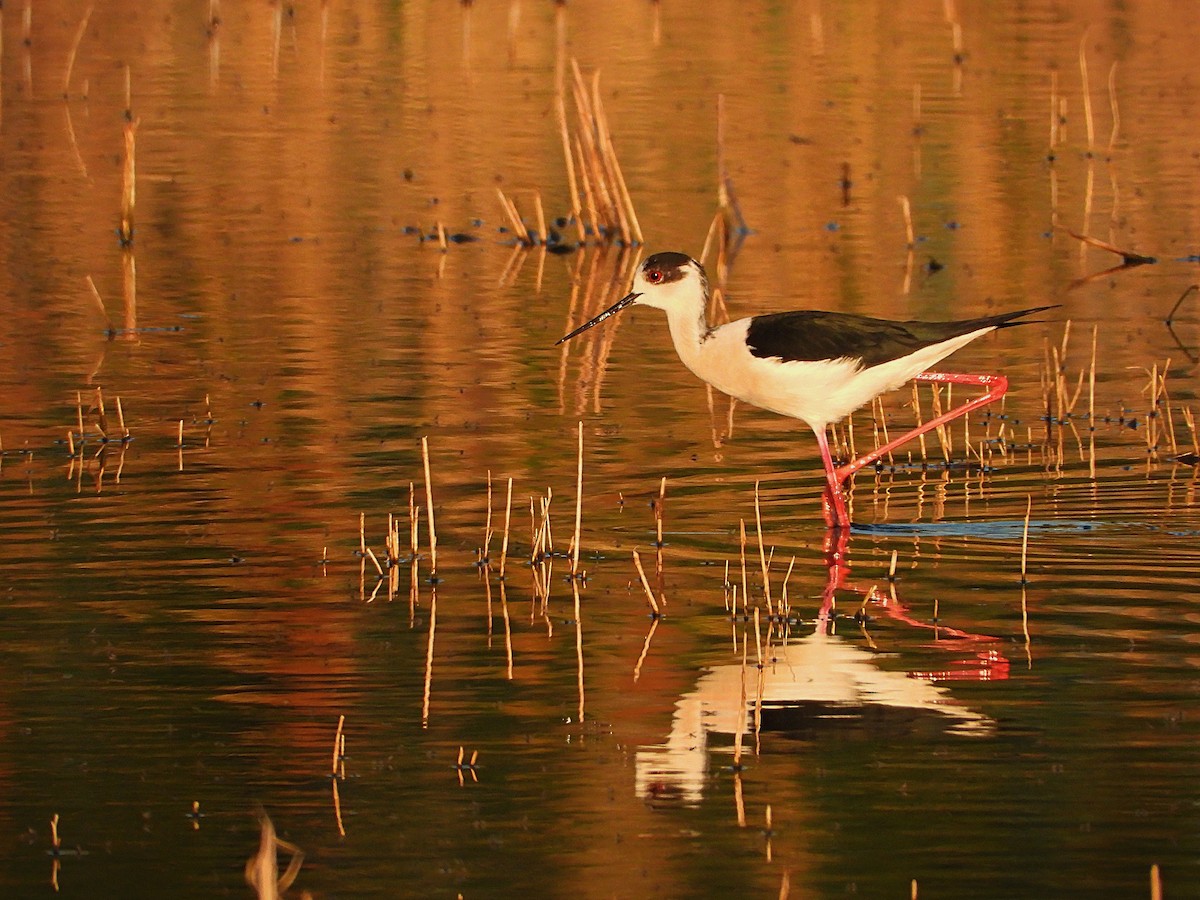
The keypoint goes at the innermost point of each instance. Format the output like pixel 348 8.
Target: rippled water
pixel 185 620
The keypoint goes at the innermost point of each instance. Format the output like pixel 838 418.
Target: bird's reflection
pixel 821 682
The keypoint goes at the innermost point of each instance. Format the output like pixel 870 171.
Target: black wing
pixel 815 335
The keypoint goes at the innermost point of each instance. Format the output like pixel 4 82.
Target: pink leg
pixel 996 386
pixel 833 503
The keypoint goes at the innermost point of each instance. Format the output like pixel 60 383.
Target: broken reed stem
pixel 337 746
pixel 541 216
pixel 578 505
pixel 429 509
pixel 510 210
pixel 1025 540
pixel 637 561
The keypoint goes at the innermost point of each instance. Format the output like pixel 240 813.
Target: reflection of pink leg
pixel 833 503
pixel 996 386
pixel 837 565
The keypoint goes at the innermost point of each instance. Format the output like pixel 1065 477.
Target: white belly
pixel 817 392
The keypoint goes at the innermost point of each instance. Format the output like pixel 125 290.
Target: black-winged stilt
pixel 814 366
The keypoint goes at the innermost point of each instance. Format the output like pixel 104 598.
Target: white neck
pixel 689 328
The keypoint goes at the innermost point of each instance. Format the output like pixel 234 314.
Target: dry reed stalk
pixel 1189 419
pixel 121 422
pixel 578 506
pixel 911 240
pixel 1155 883
pixel 55 840
pixel 541 217
pixel 916 404
pixel 371 556
pixel 514 219
pixel 262 869
pixel 586 137
pixel 1166 406
pixel 507 520
pixel 626 218
pixel 892 567
pixel 1151 415
pixel 1025 540
pixel 762 554
pixel 560 110
pixel 179 435
pixel 429 510
pixel 943 435
pixel 659 508
pixel 487 524
pixel 79 32
pixel 414 521
pixel 883 426
pixel 758 641
pixel 595 162
pixel 785 605
pixel 337 746
pixel 742 551
pixel 129 169
pixel 440 229
pixel 1087 94
pixel 654 610
pixel 590 198
pixel 362 534
pixel 785 885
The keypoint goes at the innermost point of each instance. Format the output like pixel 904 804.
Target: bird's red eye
pixel 654 276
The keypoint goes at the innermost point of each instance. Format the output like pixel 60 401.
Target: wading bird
pixel 811 365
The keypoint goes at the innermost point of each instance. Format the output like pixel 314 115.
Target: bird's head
pixel 667 281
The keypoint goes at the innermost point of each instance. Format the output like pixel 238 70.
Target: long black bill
pixel 611 311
